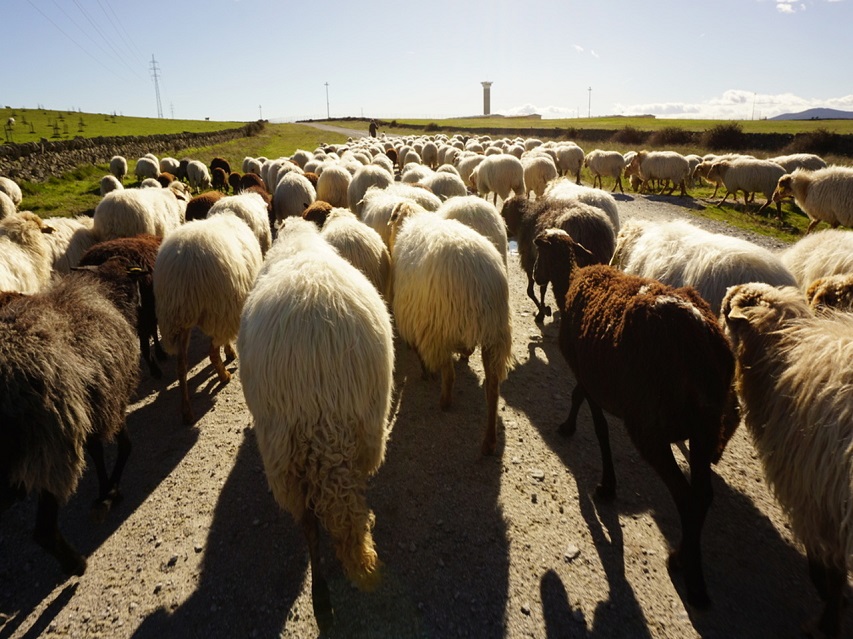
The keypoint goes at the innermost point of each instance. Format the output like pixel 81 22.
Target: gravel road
pixel 506 546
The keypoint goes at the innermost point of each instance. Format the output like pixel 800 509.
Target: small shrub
pixel 821 142
pixel 432 127
pixel 629 135
pixel 671 136
pixel 724 137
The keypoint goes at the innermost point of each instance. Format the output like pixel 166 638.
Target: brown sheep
pixel 655 357
pixel 165 179
pixel 219 179
pixel 220 163
pixel 234 181
pixel 317 212
pixel 250 179
pixel 198 207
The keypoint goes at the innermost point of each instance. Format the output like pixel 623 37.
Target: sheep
pixel 832 291
pixel 451 294
pixel 796 390
pixel 655 357
pixel 413 173
pixel 7 206
pixel 198 207
pixel 356 242
pixel 219 179
pixel 220 163
pixel 139 252
pixel 807 161
pixel 526 220
pixel 165 179
pixel 150 183
pixel 446 185
pixel 364 178
pixel 704 167
pixel 169 165
pixel 378 205
pixel 539 169
pixel 660 165
pixel 133 211
pixel 563 189
pixel 465 165
pixel 234 181
pixel 69 240
pixel 252 209
pixel 203 273
pixel 248 180
pixel 825 195
pixel 750 176
pixel 301 157
pixel 322 422
pixel 68 368
pixel 430 155
pixel 609 163
pixel 198 176
pixel 146 168
pixel 10 187
pixel 678 254
pixel 332 185
pixel 570 159
pixel 481 216
pixel 25 255
pixel 827 252
pixel 385 162
pixel 292 196
pixel 500 174
pixel 118 167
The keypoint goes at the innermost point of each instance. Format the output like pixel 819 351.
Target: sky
pixel 284 60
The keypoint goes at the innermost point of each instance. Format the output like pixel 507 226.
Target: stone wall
pixel 38 161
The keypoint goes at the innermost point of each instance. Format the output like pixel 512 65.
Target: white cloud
pixel 593 53
pixel 578 48
pixel 734 104
pixel 784 7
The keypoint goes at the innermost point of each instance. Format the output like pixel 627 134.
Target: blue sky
pixel 238 59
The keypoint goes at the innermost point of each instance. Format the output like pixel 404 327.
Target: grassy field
pixel 78 192
pixel 33 124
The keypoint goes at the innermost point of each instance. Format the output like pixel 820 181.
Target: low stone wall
pixel 38 161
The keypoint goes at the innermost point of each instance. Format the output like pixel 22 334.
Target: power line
pixel 121 30
pixel 154 71
pixel 77 44
pixel 106 40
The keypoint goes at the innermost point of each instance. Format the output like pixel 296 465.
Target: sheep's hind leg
pixel 541 309
pixel 47 536
pixel 692 500
pixel 606 490
pixel 490 439
pixel 186 408
pixel 568 427
pixel 321 600
pixel 109 493
pixel 448 375
pixel 230 355
pixel 829 582
pixel 219 367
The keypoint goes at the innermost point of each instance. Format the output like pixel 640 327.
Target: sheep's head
pixel 784 188
pixel 718 170
pixel 556 256
pixel 834 291
pixel 758 309
pixel 317 212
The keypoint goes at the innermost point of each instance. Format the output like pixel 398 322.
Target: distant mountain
pixel 817 114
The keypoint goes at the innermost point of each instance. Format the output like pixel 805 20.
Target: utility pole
pixel 753 106
pixel 328 117
pixel 154 72
pixel 172 109
pixel 589 104
pixel 260 113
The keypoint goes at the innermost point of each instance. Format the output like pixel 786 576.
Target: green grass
pixel 78 192
pixel 33 124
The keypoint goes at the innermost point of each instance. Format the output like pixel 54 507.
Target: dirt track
pixel 509 546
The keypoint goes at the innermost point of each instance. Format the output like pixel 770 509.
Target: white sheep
pixel 750 176
pixel 118 167
pixel 110 183
pixel 569 159
pixel 660 165
pixel 679 254
pixel 7 206
pixel 146 168
pixel 316 365
pixel 365 177
pixel 480 215
pixel 825 195
pixel 203 274
pixel 827 252
pixel 465 164
pixel 251 208
pixel 169 165
pixel 130 212
pixel 450 295
pixel 25 255
pixel 539 170
pixel 378 205
pixel 605 163
pixel 385 162
pixel 796 388
pixel 832 291
pixel 150 183
pixel 414 173
pixel 69 240
pixel 292 196
pixel 499 174
pixel 807 161
pixel 430 155
pixel 446 185
pixel 564 189
pixel 198 176
pixel 11 188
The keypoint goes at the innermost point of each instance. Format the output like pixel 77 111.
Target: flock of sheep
pixel 317 259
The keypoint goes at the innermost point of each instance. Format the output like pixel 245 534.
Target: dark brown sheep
pixel 234 181
pixel 198 207
pixel 165 179
pixel 219 179
pixel 140 251
pixel 317 212
pixel 526 219
pixel 312 177
pixel 655 357
pixel 251 179
pixel 220 163
pixel 68 368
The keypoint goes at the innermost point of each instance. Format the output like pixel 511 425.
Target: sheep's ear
pixel 89 268
pixel 737 313
pixel 47 229
pixel 580 249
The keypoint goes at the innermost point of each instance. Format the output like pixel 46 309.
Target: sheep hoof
pixel 488 448
pixel 540 317
pixel 568 428
pixel 187 417
pixel 101 507
pixel 605 493
pixel 73 564
pixel 547 310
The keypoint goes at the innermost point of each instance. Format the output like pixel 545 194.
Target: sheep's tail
pixel 338 498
